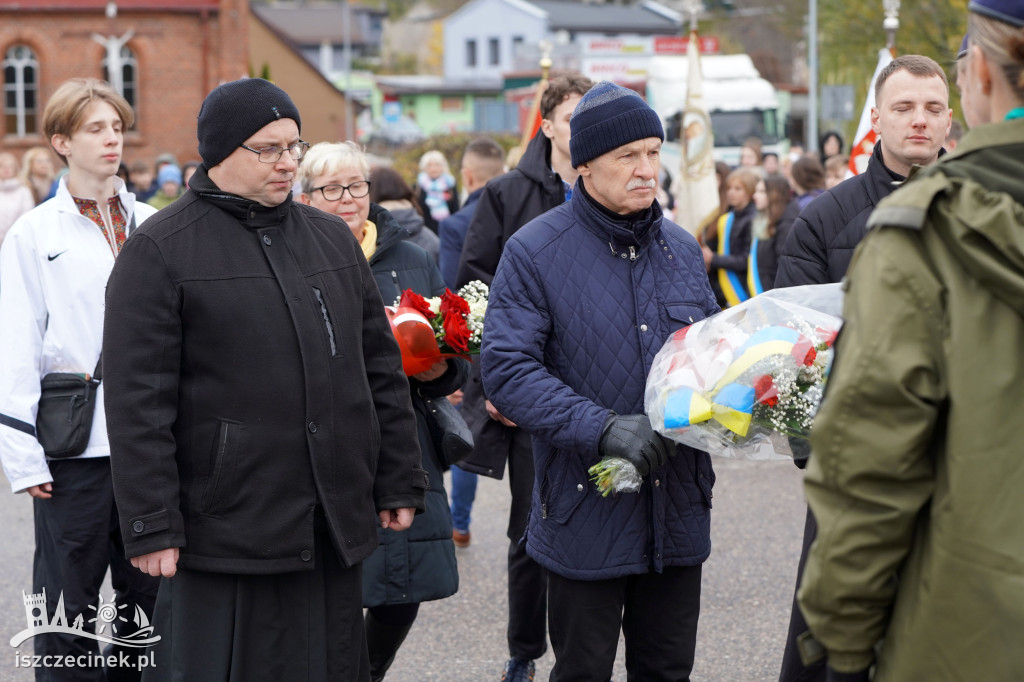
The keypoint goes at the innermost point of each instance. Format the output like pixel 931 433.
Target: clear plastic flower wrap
pixel 746 383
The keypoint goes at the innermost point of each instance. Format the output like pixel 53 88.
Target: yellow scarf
pixel 369 242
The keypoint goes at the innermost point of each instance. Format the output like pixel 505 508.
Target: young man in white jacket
pixel 54 265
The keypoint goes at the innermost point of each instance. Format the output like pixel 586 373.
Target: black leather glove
pixel 630 437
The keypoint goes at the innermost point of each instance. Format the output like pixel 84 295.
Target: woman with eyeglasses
pixel 418 564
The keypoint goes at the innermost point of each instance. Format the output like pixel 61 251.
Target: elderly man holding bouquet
pixel 584 297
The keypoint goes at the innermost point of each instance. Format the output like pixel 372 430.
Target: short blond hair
pixel 66 108
pixel 329 157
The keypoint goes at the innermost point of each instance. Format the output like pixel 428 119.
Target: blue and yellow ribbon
pixel 732 285
pixel 732 407
pixel 753 272
pixel 774 340
pixel 729 403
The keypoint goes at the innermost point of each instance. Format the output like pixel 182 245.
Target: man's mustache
pixel 638 183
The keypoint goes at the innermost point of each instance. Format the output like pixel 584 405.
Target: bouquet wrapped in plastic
pixel 746 381
pixel 433 329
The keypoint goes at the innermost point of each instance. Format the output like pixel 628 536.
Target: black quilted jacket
pixel 823 237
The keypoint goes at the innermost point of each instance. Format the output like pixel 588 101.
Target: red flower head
pixel 803 351
pixel 765 391
pixel 453 304
pixel 456 333
pixel 410 299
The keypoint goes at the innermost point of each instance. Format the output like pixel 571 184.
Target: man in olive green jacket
pixel 918 467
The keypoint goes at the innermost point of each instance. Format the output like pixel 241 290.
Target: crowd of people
pixel 262 475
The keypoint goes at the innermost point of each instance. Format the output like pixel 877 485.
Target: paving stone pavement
pixel 757 523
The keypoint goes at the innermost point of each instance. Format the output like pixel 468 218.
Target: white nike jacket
pixel 54 265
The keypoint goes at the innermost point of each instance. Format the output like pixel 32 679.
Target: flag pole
pixel 812 86
pixel 864 139
pixel 530 129
pixel 891 23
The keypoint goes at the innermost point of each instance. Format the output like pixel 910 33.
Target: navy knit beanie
pixel 608 117
pixel 233 112
pixel 1008 11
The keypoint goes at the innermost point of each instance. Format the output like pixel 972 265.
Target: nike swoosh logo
pixel 54 256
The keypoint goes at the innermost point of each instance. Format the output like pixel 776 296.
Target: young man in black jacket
pixel 542 180
pixel 911 118
pixel 260 423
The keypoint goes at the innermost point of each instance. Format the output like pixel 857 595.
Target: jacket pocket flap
pixel 687 313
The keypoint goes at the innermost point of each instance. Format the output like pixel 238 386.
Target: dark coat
pixel 507 203
pixel 770 250
pixel 823 237
pixel 767 257
pixel 582 301
pixel 452 231
pixel 252 379
pixel 789 216
pixel 410 220
pixel 417 564
pixel 740 237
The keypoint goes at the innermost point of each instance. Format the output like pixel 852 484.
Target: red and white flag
pixel 864 139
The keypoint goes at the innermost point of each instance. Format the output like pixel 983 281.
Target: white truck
pixel 740 102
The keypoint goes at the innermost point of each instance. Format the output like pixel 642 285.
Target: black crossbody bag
pixel 67 404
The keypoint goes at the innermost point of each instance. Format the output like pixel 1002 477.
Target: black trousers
pixel 305 626
pixel 77 539
pixel 793 669
pixel 657 613
pixel 527 580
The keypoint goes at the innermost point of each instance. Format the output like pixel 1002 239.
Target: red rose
pixel 803 351
pixel 456 333
pixel 453 304
pixel 765 391
pixel 410 299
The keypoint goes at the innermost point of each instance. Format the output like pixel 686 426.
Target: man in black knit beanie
pixel 259 419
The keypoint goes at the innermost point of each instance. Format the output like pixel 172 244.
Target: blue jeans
pixel 463 492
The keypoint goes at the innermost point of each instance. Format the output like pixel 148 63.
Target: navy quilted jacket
pixel 581 303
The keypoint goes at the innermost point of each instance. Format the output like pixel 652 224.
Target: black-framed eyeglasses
pixel 358 190
pixel 274 154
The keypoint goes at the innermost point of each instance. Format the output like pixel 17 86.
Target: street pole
pixel 812 66
pixel 349 128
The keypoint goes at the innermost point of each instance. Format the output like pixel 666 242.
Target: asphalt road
pixel 748 582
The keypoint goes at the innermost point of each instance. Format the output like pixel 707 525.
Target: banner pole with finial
pixel 530 129
pixel 691 7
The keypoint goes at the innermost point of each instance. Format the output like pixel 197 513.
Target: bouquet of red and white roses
pixel 432 329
